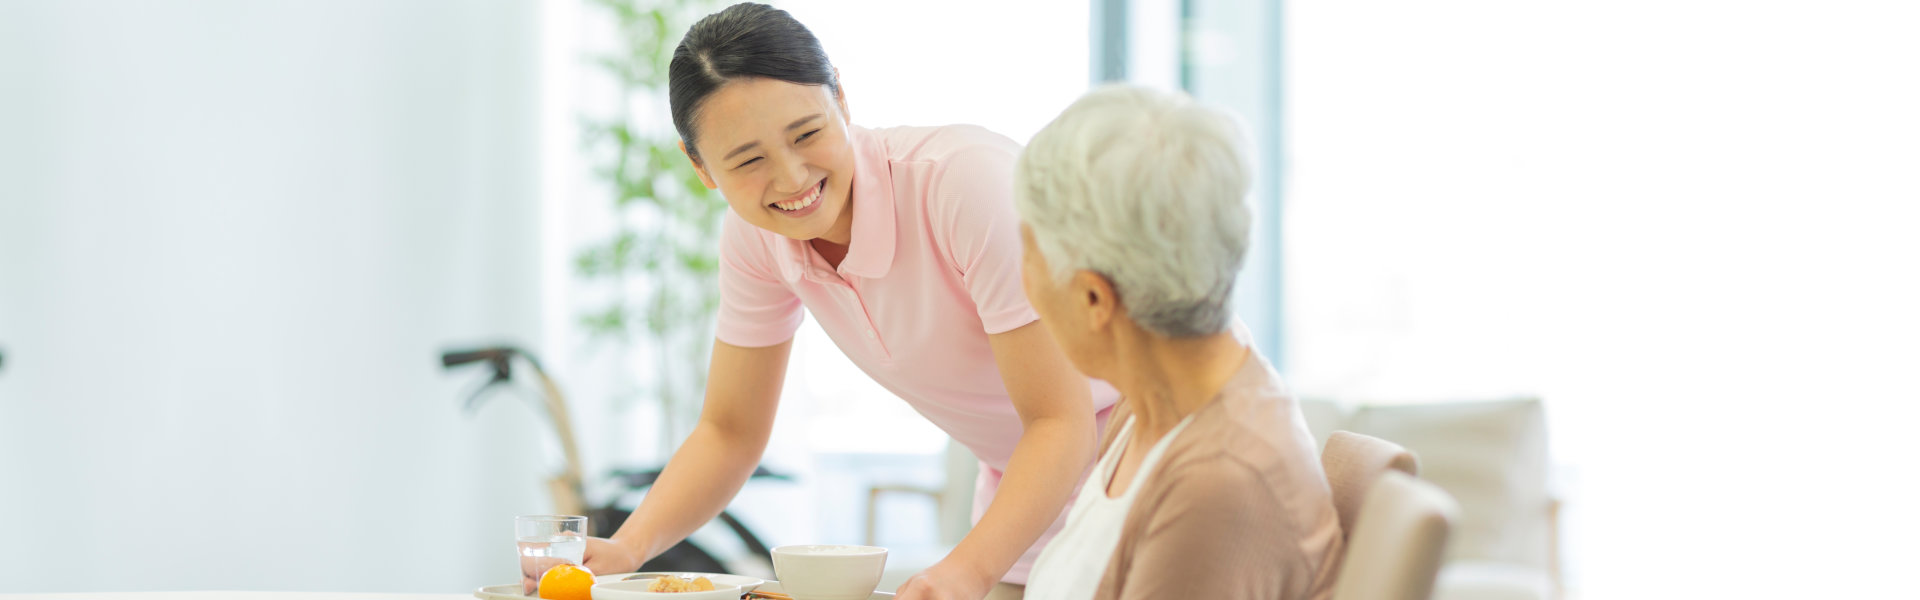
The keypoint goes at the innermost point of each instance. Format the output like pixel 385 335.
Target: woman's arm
pixel 743 393
pixel 1055 449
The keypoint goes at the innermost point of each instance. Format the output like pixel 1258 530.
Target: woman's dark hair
pixel 745 40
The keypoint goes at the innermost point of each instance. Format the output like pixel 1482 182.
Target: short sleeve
pixel 1216 533
pixel 757 309
pixel 973 206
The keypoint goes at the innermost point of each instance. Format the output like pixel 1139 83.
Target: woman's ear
pixel 1093 294
pixel 698 167
pixel 840 96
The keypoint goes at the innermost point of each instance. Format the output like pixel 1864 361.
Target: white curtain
pixel 233 239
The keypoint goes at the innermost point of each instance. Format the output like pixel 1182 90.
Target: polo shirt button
pixel 871 335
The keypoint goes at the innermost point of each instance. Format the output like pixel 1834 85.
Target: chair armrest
pixel 1563 482
pixel 1554 503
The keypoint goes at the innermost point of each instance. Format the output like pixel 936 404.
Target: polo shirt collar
pixel 870 252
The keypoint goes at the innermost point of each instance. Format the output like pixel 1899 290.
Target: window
pixel 1687 225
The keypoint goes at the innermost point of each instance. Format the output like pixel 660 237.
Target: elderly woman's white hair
pixel 1148 189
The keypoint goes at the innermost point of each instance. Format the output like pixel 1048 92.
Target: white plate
pixel 726 587
pixel 511 591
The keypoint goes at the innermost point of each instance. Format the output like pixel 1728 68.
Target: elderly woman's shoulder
pixel 1262 432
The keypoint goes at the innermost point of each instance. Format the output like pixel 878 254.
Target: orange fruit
pixel 567 582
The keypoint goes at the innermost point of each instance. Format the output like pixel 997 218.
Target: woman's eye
pixel 748 163
pixel 804 136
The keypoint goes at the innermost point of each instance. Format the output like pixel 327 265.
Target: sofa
pixel 1491 456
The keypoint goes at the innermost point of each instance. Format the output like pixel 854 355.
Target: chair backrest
pixel 1353 463
pixel 1395 552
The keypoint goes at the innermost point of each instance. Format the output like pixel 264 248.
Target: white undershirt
pixel 1071 566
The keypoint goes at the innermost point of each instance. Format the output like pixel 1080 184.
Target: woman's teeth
pixel 811 198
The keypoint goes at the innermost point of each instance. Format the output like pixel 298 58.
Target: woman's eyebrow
pixel 803 121
pixel 751 145
pixel 743 148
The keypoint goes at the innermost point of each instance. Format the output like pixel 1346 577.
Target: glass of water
pixel 547 541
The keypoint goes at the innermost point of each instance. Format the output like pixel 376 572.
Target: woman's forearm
pixel 710 467
pixel 1046 465
pixel 698 482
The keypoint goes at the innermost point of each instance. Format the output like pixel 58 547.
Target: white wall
pixel 1688 224
pixel 1008 65
pixel 233 238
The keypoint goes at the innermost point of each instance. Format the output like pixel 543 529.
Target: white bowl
pixel 725 587
pixel 826 572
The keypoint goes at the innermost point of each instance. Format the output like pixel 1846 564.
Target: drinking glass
pixel 547 541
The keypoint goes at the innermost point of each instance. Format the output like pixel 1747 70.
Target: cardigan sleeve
pixel 1215 531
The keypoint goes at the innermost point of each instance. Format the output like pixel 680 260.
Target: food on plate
pixel 567 582
pixel 670 583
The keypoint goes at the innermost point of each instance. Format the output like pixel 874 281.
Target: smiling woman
pixel 781 99
pixel 789 157
pixel 904 245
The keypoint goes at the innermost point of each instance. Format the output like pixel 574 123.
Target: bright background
pixel 1689 226
pixel 233 237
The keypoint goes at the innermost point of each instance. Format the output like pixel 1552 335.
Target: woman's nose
pixel 793 174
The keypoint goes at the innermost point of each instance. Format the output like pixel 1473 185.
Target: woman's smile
pixel 802 204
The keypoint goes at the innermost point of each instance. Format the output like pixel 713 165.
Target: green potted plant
pixel 661 263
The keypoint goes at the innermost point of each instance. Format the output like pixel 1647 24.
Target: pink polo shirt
pixel 932 270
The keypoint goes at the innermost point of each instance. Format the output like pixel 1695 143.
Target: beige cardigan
pixel 1237 508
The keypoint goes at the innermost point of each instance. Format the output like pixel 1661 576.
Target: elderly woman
pixel 1207 486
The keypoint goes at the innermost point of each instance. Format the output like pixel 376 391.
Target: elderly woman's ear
pixel 1094 294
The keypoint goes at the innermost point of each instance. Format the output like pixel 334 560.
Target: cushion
pixel 1479 580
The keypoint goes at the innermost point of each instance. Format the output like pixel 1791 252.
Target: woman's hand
pixel 947 580
pixel 605 557
pixel 532 569
pixel 709 467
